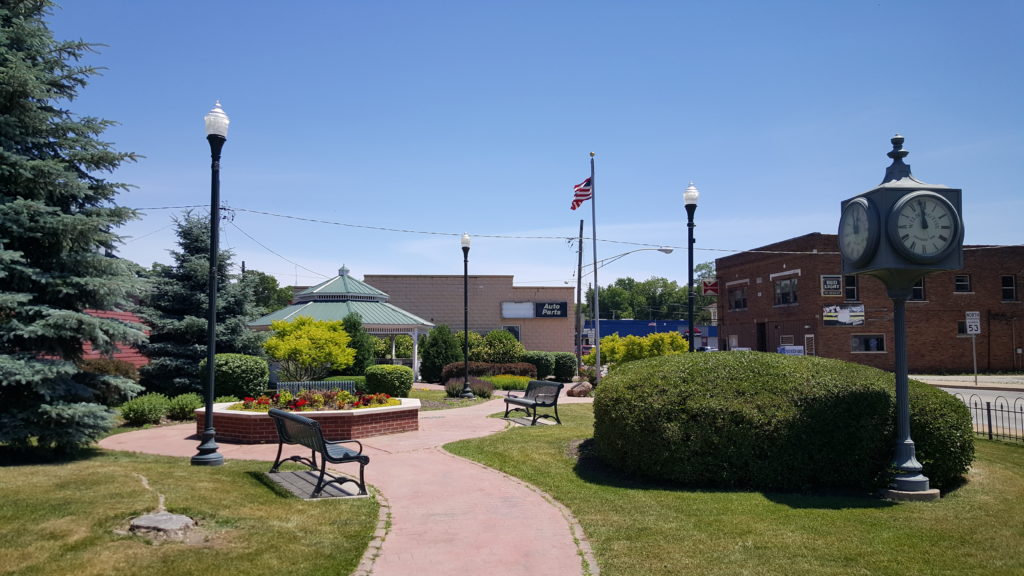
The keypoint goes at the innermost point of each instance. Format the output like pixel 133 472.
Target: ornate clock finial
pixel 897 170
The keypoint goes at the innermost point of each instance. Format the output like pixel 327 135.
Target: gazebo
pixel 342 295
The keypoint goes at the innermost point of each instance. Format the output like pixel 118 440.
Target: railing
pixel 997 419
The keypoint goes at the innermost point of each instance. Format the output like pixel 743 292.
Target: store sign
pixel 551 309
pixel 831 285
pixel 850 315
pixel 534 309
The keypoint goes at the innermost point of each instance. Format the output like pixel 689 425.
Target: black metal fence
pixel 997 419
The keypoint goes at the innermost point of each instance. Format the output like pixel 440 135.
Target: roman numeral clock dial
pixel 924 227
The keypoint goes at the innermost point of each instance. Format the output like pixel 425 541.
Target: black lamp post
pixel 690 200
pixel 216 134
pixel 467 392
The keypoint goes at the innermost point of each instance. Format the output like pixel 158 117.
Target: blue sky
pixel 355 121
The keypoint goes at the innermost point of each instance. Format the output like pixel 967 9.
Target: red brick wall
pixel 126 353
pixel 933 344
pixel 255 428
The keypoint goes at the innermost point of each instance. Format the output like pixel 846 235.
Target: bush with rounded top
pixel 183 407
pixel 390 379
pixel 769 421
pixel 565 366
pixel 239 374
pixel 544 361
pixel 501 347
pixel 145 409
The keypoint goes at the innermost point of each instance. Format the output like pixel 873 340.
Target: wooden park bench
pixel 295 429
pixel 317 386
pixel 539 394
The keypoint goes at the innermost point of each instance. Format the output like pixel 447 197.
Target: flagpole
pixel 597 287
pixel 579 300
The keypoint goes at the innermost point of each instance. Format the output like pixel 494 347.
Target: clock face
pixel 858 231
pixel 924 227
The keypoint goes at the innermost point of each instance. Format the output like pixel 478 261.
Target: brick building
pixel 793 293
pixel 541 317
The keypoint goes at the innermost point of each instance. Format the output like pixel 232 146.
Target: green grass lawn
pixel 66 518
pixel 438 400
pixel 642 528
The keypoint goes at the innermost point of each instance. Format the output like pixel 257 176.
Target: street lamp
pixel 216 134
pixel 690 200
pixel 467 392
pixel 605 261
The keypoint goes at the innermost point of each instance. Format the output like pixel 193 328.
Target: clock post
pixel 899 232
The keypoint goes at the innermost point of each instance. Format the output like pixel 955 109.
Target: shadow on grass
pixel 35 456
pixel 261 478
pixel 592 469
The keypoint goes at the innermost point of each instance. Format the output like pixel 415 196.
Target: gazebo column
pixel 416 353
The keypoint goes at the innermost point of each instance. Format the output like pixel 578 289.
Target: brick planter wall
pixel 258 427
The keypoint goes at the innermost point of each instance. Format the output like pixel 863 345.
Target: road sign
pixel 709 287
pixel 973 322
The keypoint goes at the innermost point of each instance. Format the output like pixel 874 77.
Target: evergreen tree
pixel 361 342
pixel 440 349
pixel 176 309
pixel 57 229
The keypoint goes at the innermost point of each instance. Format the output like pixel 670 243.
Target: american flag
pixel 584 191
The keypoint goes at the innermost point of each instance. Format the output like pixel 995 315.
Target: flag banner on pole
pixel 584 191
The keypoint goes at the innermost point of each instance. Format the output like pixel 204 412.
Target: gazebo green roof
pixel 337 297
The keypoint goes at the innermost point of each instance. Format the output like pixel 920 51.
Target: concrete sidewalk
pixel 1004 382
pixel 448 515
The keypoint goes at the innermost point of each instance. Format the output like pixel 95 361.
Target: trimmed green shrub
pixel 146 409
pixel 544 361
pixel 108 380
pixel 360 381
pixel 183 407
pixel 222 399
pixel 501 347
pixel 564 367
pixel 769 421
pixel 457 370
pixel 393 380
pixel 942 434
pixel 239 374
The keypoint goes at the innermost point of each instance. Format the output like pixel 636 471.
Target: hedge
pixel 458 370
pixel 565 366
pixel 390 379
pixel 238 374
pixel 769 421
pixel 543 361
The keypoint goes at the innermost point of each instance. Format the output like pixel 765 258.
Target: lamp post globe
pixel 690 196
pixel 216 122
pixel 467 392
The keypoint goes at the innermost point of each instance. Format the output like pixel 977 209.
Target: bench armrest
pixel 337 442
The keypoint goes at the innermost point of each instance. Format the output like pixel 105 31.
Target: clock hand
pixel 924 220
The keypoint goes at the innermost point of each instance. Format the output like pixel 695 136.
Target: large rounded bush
pixel 565 366
pixel 769 421
pixel 146 409
pixel 239 374
pixel 544 361
pixel 389 379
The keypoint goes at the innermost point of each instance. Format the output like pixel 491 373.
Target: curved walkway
pixel 448 515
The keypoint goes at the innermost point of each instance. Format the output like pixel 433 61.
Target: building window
pixel 917 292
pixel 738 298
pixel 1009 284
pixel 514 330
pixel 850 287
pixel 786 340
pixel 785 291
pixel 961 328
pixel 867 343
pixel 962 283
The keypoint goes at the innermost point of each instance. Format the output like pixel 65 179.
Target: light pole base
pixel 467 394
pixel 904 496
pixel 912 482
pixel 208 455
